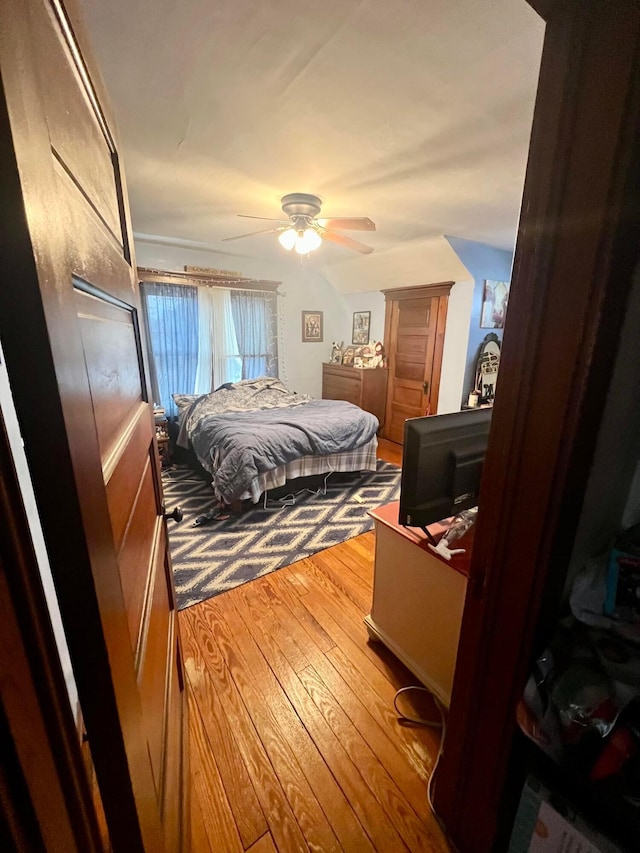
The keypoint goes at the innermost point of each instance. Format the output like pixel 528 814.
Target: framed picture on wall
pixel 312 327
pixel 361 325
pixel 494 304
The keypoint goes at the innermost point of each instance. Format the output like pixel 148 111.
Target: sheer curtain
pixel 219 359
pixel 171 314
pixel 202 337
pixel 255 320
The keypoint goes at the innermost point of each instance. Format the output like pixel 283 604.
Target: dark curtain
pixel 171 315
pixel 255 319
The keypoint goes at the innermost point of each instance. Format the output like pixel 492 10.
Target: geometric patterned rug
pixel 216 557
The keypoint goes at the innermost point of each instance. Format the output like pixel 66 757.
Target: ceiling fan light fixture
pixel 304 232
pixel 308 241
pixel 288 238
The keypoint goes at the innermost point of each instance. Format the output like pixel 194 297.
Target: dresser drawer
pixel 342 388
pixel 341 371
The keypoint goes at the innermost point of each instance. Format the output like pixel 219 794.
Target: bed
pixel 255 435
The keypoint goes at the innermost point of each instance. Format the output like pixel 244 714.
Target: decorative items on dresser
pixel 366 388
pixel 162 439
pixel 162 435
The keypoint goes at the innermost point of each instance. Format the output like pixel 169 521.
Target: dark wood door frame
pixel 576 253
pixel 44 792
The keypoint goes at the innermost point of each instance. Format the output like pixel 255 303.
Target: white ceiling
pixel 415 113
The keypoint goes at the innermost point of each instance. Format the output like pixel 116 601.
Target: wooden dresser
pixel 366 388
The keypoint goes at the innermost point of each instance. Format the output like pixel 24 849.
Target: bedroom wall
pixel 483 262
pixel 371 300
pixel 454 355
pixel 428 259
pixel 303 287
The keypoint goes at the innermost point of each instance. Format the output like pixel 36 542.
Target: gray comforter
pixel 236 446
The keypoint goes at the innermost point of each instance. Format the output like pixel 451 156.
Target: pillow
pixel 183 401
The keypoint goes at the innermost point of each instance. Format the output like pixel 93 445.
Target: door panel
pixel 96 477
pixel 153 671
pixel 410 370
pixel 124 472
pixel 117 384
pixel 143 533
pixel 84 147
pixel 95 255
pixel 407 398
pixel 171 817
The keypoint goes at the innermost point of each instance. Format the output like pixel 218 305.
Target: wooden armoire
pixel 415 320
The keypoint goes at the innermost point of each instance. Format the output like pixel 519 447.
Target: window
pixel 171 314
pixel 255 318
pixel 198 339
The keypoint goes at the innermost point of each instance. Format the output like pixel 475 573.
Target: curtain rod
pixel 154 276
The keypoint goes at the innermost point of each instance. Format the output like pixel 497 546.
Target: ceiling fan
pixel 304 232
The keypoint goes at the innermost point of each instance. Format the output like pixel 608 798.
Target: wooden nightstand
pixel 162 439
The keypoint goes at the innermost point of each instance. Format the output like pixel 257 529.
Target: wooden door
pixel 414 336
pixel 71 335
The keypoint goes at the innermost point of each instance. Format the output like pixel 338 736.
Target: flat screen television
pixel 441 466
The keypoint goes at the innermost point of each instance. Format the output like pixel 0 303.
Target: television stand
pixel 418 598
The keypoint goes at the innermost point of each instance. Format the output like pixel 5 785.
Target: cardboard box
pixel 540 828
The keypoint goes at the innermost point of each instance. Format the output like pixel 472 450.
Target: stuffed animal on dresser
pixel 336 352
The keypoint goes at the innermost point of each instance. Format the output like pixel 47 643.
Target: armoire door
pixel 414 337
pixel 71 335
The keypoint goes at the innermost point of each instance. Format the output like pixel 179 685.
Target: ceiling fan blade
pixel 348 223
pixel 253 233
pixel 334 237
pixel 266 218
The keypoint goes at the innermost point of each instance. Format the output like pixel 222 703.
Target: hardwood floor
pixel 295 744
pixel 390 451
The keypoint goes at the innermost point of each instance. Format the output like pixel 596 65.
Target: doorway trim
pixel 576 253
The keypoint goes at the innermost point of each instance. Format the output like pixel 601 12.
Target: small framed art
pixel 361 325
pixel 312 327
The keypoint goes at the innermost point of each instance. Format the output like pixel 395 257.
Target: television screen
pixel 441 465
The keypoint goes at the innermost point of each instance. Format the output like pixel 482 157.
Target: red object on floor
pixel 619 747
